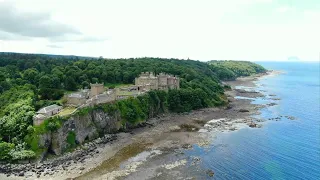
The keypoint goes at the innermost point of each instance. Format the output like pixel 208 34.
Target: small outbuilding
pixel 50 110
pixel 45 113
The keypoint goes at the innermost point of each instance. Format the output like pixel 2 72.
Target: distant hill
pixel 294 58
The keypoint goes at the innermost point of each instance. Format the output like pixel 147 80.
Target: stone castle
pixel 148 81
pixel 98 94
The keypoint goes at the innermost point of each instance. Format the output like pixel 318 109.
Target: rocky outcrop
pixel 243 110
pixel 210 173
pixel 85 128
pixel 62 163
pixel 106 123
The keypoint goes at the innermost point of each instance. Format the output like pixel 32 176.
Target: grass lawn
pixel 66 111
pixel 125 93
pixel 69 92
pixel 117 85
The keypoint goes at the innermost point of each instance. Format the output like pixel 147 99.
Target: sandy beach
pixel 153 151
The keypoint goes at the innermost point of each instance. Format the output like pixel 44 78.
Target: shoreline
pixel 167 134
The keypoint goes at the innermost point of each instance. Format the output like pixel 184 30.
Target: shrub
pixel 23 154
pixel 84 111
pixel 20 152
pixel 71 139
pixel 5 148
pixel 33 139
pixel 227 87
pixel 112 86
pixel 30 129
pixel 53 123
pixel 64 101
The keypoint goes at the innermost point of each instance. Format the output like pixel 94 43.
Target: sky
pixel 196 29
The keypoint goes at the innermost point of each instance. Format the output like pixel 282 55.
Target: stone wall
pixel 76 101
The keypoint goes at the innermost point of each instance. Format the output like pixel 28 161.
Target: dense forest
pixel 29 82
pixel 230 70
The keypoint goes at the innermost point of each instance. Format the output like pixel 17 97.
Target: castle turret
pixel 163 81
pixel 96 89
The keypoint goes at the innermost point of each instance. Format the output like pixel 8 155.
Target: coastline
pixel 162 136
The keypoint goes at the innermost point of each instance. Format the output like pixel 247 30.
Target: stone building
pixel 148 81
pixel 78 98
pixel 45 113
pixel 81 97
pixel 106 97
pixel 96 89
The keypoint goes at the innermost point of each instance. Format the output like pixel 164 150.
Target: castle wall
pixel 76 101
pixel 154 83
pixel 161 82
pixel 177 83
pixel 38 120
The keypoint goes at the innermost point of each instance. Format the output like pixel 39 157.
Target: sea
pixel 282 149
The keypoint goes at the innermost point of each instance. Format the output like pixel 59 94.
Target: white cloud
pixel 31 24
pixel 173 28
pixel 54 46
pixel 312 16
pixel 257 1
pixel 283 9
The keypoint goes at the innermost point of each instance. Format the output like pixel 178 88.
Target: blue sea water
pixel 285 149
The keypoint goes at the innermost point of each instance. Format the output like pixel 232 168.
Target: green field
pixel 117 85
pixel 66 111
pixel 125 93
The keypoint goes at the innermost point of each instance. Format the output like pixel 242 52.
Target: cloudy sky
pixel 195 29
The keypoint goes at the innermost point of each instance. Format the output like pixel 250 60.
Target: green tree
pixel 70 84
pixel 55 82
pixel 45 82
pixel 31 75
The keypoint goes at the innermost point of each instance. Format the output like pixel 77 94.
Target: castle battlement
pixel 163 81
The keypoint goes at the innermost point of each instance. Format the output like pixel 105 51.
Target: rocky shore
pixel 143 153
pixel 55 165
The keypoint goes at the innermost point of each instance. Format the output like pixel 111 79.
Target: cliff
pixel 78 129
pixel 57 135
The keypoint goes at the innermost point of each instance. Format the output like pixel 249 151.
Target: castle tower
pixel 96 89
pixel 162 81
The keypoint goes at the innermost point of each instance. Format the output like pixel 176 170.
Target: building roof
pixel 40 116
pixel 48 109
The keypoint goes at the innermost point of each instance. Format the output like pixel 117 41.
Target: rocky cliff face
pixel 85 127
